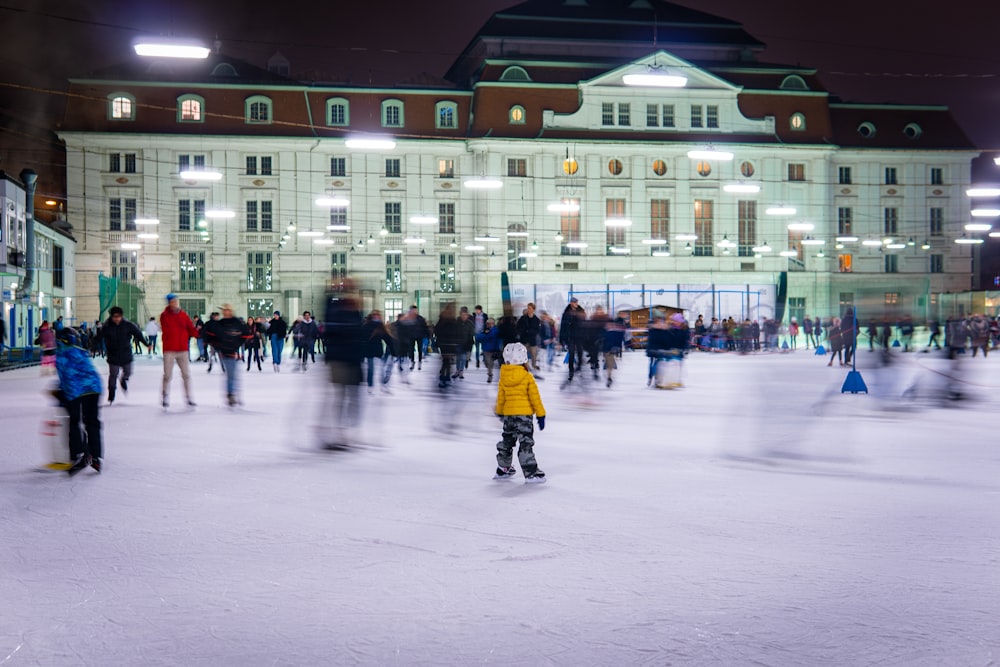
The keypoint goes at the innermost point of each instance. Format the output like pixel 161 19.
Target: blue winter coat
pixel 77 375
pixel 490 340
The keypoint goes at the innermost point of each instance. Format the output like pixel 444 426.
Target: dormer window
pixel 190 109
pixel 515 73
pixel 794 82
pixel 446 115
pixel 258 110
pixel 392 113
pixel 121 106
pixel 516 115
pixel 338 112
pixel 797 121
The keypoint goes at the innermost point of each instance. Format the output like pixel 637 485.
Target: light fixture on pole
pixel 161 47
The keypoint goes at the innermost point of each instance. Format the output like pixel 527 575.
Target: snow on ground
pixel 756 516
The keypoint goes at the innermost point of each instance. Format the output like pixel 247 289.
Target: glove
pixel 541 423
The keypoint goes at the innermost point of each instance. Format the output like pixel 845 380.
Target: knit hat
pixel 515 354
pixel 171 297
pixel 678 318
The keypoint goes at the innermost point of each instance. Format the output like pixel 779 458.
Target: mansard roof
pixel 897 126
pixel 215 69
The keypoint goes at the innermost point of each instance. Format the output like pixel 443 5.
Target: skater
pixel 479 319
pixel 377 344
pixel 46 338
pixel 306 332
pixel 253 344
pixel 570 335
pixel 118 335
pixel 518 401
pixel 489 342
pixel 277 331
pixel 835 336
pixel 80 391
pixel 212 355
pixel 449 336
pixel 344 351
pixel 152 333
pixel 178 330
pixel 228 336
pixel 614 338
pixel 467 337
pixel 528 330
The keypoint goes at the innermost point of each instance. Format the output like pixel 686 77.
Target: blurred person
pixel 489 341
pixel 413 330
pixel 46 339
pixel 342 331
pixel 570 335
pixel 906 332
pixel 934 329
pixel 550 341
pixel 229 335
pixel 252 344
pixel 152 333
pixel 848 335
pixel 818 331
pixel 614 338
pixel 593 338
pixel 955 337
pixel 479 319
pixel 835 337
pixel 277 331
pixel 211 353
pixel 118 335
pixel 449 338
pixel 793 333
pixel 3 333
pixel 377 345
pixel 199 324
pixel 262 328
pixel 979 333
pixel 80 390
pixel 467 341
pixel 306 332
pixel 528 330
pixel 178 330
pixel 807 329
pixel 518 401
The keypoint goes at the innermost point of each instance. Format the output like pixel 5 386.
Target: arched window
pixel 224 69
pixel 190 109
pixel 121 106
pixel 446 115
pixel 338 112
pixel 515 73
pixel 392 113
pixel 797 121
pixel 258 110
pixel 516 115
pixel 794 82
pixel 570 166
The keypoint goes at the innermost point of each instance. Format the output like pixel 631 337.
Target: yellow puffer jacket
pixel 518 393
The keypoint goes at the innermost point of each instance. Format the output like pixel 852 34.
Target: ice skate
pixel 79 464
pixel 537 477
pixel 505 473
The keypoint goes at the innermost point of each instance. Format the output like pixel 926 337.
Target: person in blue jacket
pixel 81 388
pixel 489 341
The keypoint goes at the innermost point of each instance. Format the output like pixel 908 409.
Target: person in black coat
pixel 570 334
pixel 449 335
pixel 342 333
pixel 528 328
pixel 117 336
pixel 377 343
pixel 277 331
pixel 228 335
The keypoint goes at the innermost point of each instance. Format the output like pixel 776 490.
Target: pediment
pixel 661 62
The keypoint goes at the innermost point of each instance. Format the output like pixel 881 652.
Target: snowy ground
pixel 756 516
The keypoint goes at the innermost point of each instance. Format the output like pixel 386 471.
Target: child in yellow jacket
pixel 517 402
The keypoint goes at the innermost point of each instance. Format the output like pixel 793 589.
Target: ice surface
pixel 756 516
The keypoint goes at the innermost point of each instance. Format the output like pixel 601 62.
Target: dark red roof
pixel 935 127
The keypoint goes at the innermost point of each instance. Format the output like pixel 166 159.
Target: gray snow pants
pixel 517 427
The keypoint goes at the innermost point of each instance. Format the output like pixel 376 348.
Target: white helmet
pixel 515 354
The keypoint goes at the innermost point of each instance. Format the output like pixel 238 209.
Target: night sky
pixel 886 51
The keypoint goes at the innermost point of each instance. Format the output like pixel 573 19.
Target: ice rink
pixel 757 516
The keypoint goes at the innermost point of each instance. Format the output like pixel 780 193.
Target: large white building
pixel 632 153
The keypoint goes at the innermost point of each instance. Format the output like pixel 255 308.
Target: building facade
pixel 627 153
pixel 53 285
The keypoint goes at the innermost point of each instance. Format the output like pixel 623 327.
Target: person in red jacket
pixel 177 332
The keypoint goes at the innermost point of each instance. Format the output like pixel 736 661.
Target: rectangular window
pixel 338 219
pixel 845 263
pixel 338 166
pixel 936 222
pixel 258 272
pixel 844 175
pixel 517 244
pixel 569 228
pixel 712 116
pixel 703 218
pixel 747 227
pixel 338 267
pixel 892 263
pixel 392 167
pixel 446 117
pixel 517 167
pixel 393 116
pixel 124 265
pixel 891 221
pixel 796 171
pixel 607 113
pixel 937 176
pixel 668 115
pixel 189 213
pixel 446 217
pixel 795 242
pixel 890 176
pixel 57 265
pixel 659 223
pixel 251 216
pixel 614 235
pixel 191 271
pixel 652 115
pixel 846 301
pixel 394 272
pixel 266 216
pixel 845 221
pixel 392 308
pixel 338 114
pixel 130 215
pixel 446 272
pixel 394 217
pixel 114 162
pixel 446 168
pixel 797 308
pixel 937 263
pixel 190 163
pixel 251 165
pixel 695 115
pixel 130 163
pixel 891 298
pixel 115 215
pixel 624 113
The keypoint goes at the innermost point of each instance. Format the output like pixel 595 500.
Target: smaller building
pixel 53 285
